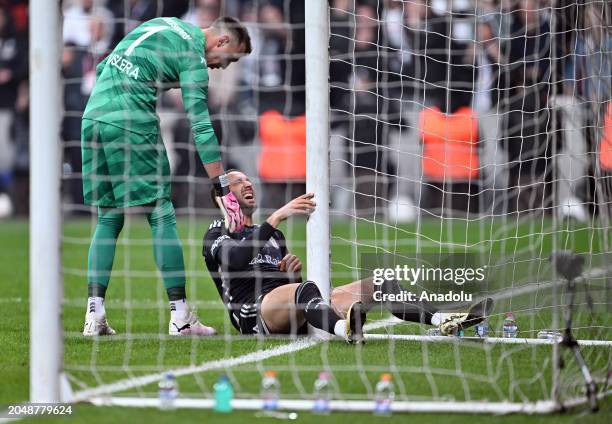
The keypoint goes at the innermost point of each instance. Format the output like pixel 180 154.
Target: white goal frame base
pixel 103 395
pixel 483 407
pixel 486 340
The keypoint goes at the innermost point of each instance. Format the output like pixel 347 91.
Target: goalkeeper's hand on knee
pixel 227 202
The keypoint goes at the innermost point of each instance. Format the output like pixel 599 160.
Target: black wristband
pixel 221 185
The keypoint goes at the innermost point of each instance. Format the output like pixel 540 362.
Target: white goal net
pixel 463 135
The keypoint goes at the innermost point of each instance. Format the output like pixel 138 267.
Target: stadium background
pixel 472 63
pixel 380 84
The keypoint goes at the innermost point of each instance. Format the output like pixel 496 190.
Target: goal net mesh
pixel 476 130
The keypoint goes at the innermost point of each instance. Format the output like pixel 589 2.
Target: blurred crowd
pixel 461 107
pixel 437 107
pixel 13 105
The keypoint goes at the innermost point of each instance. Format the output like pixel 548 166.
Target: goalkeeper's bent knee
pixel 162 215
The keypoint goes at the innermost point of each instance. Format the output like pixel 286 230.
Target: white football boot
pixel 189 325
pixel 452 322
pixel 97 326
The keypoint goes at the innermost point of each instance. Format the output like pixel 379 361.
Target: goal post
pixel 46 332
pixel 317 142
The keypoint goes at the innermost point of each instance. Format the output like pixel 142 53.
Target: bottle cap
pixel 386 377
pixel 270 373
pixel 169 376
pixel 510 314
pixel 223 378
pixel 323 375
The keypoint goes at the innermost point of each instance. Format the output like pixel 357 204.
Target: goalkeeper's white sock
pixel 436 319
pixel 339 328
pixel 178 308
pixel 95 305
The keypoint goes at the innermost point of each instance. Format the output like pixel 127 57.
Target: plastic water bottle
pixel 482 329
pixel 384 395
pixel 322 394
pixel 270 391
pixel 510 329
pixel 224 393
pixel 553 335
pixel 168 392
pixel 433 332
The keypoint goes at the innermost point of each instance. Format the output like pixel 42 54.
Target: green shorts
pixel 122 168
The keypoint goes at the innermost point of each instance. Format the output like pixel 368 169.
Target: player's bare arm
pixel 285 302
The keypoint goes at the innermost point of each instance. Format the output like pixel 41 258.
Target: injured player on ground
pixel 261 286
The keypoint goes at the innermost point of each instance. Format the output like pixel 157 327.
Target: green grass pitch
pixel 422 371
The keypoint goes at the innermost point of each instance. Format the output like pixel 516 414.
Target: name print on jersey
pixel 124 65
pixel 177 28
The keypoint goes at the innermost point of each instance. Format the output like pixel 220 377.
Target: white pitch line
pixel 260 355
pixel 12 300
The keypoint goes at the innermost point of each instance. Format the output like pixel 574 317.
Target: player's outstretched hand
pixel 234 218
pixel 292 265
pixel 302 205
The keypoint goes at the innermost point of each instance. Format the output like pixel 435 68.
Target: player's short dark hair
pixel 213 195
pixel 237 29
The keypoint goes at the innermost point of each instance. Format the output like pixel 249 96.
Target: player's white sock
pixel 95 305
pixel 339 328
pixel 436 319
pixel 178 308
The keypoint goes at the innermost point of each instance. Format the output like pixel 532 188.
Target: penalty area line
pixel 259 355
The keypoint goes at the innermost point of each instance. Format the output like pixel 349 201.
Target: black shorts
pixel 247 319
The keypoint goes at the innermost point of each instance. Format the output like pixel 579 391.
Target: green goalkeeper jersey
pixel 159 54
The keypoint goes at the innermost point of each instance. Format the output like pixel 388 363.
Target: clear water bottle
pixel 168 392
pixel 270 391
pixel 553 335
pixel 384 395
pixel 433 332
pixel 510 329
pixel 482 329
pixel 224 393
pixel 323 393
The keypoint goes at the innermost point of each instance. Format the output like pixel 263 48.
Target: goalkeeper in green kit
pixel 124 160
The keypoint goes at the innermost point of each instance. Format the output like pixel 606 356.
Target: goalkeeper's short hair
pixel 236 28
